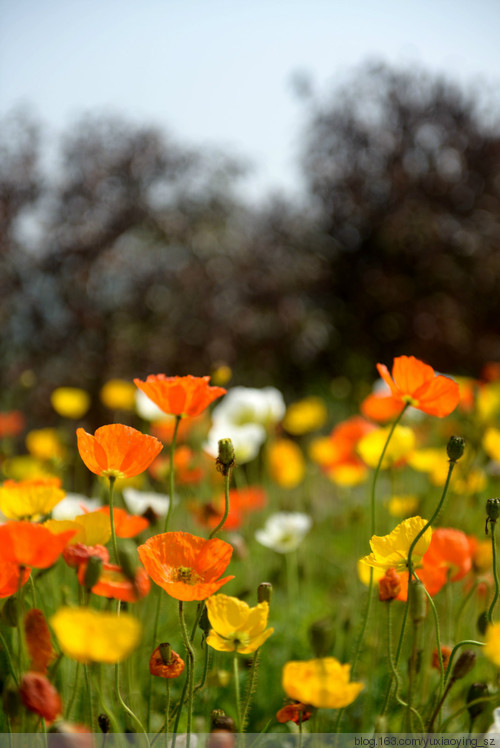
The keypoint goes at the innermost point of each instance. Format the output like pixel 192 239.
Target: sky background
pixel 217 72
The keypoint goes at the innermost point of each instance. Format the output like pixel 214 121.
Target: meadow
pixel 214 560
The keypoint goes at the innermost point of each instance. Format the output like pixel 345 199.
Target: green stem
pixel 172 474
pixel 482 700
pixel 204 674
pixel 189 679
pixel 112 479
pixel 9 659
pixel 104 705
pixel 20 622
pixel 236 674
pixel 124 705
pixel 495 571
pixel 250 690
pixel 462 607
pixel 379 465
pixel 227 479
pixel 464 643
pixel 74 691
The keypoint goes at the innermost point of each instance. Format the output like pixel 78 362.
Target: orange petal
pixel 438 397
pixel 409 374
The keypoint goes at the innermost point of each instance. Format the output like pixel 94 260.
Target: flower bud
pixel 389 586
pixel 482 623
pixel 204 623
pixel 92 572
pixel 165 652
pixel 455 448
pixel 128 559
pixel 220 721
pixel 418 601
pixel 476 691
pixel 104 723
pixel 493 509
pixel 8 614
pixel 225 460
pixel 464 664
pixel 264 592
pixel 296 712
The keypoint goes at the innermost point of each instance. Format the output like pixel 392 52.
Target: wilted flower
pixel 38 641
pixel 94 636
pixel 323 683
pixel 236 626
pixel 284 531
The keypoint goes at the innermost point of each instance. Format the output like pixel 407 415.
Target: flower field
pixel 215 560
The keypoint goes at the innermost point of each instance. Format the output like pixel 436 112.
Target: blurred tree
pixel 404 169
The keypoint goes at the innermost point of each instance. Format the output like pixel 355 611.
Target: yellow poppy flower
pixel 305 415
pixel 401 445
pixel 236 626
pixel 286 463
pixel 492 648
pixel 30 499
pixel 491 443
pixel 323 451
pixel 488 401
pixel 392 550
pixel 25 467
pixel 94 636
pixel 323 683
pixel 364 573
pixel 92 528
pixel 348 474
pixel 70 402
pixel 118 394
pixel 45 444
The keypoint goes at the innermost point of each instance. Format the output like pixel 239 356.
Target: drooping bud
pixel 418 601
pixel 455 448
pixel 225 459
pixel 264 592
pixel 492 512
pixel 482 622
pixel 165 652
pixel 128 559
pixel 204 623
pixel 219 720
pixel 476 691
pixel 464 664
pixel 92 572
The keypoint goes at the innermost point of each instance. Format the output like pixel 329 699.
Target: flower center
pixel 238 638
pixel 187 575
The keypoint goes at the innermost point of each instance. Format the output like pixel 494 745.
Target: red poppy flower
pixel 79 553
pixel 448 557
pixel 11 423
pixel 40 696
pixel 417 384
pixel 180 396
pixel 115 584
pixel 297 712
pixel 126 525
pixel 28 544
pixel 117 451
pixel 185 566
pixel 9 578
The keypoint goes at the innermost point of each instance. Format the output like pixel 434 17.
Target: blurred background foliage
pixel 127 254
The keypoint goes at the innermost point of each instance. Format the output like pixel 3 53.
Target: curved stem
pixel 124 705
pixel 495 572
pixel 227 479
pixel 464 643
pixel 482 700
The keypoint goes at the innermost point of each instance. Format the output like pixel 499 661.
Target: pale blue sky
pixel 218 71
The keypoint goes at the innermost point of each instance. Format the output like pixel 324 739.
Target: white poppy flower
pixel 284 531
pixel 244 405
pixel 139 502
pixel 73 505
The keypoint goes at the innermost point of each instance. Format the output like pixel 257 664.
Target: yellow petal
pixel 392 550
pixel 97 527
pixel 400 446
pixel 227 614
pixel 70 402
pixel 492 648
pixel 257 620
pixel 221 645
pixel 94 636
pixel 254 643
pixel 323 682
pixel 364 572
pixel 62 525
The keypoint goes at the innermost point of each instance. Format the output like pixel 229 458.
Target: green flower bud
pixel 493 509
pixel 225 460
pixel 128 559
pixel 92 572
pixel 476 691
pixel 418 601
pixel 264 592
pixel 482 623
pixel 464 664
pixel 220 721
pixel 165 652
pixel 455 448
pixel 204 623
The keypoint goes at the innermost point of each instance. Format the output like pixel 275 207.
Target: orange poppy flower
pixel 381 408
pixel 448 557
pixel 28 544
pixel 296 712
pixel 180 396
pixel 185 566
pixel 126 525
pixel 11 423
pixel 161 669
pixel 117 451
pixel 186 472
pixel 114 583
pixel 241 502
pixel 417 384
pixel 9 578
